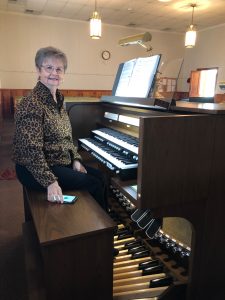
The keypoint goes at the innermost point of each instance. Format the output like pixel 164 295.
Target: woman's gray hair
pixel 49 52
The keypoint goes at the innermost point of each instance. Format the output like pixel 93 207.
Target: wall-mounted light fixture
pixel 138 39
pixel 95 24
pixel 190 36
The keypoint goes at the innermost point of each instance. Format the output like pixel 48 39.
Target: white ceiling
pixel 174 16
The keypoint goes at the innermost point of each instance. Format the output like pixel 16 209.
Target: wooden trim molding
pixel 218 98
pixel 8 96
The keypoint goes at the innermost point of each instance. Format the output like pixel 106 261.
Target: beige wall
pixel 22 35
pixel 208 52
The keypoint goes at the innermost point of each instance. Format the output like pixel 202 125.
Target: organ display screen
pixel 135 78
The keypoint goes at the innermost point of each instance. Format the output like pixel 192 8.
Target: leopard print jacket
pixel 43 134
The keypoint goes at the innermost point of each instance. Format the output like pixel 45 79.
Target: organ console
pixel 166 169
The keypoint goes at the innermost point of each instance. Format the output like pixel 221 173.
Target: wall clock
pixel 106 54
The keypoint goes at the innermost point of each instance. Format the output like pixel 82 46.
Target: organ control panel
pixel 164 170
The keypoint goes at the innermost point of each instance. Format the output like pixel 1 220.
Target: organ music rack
pixel 181 172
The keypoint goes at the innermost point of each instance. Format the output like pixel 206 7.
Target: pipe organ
pixel 166 171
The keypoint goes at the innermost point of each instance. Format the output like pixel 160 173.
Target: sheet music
pixel 137 77
pixel 125 78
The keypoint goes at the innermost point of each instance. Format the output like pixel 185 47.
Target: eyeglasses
pixel 49 69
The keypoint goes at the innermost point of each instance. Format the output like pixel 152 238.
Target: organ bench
pixel 68 248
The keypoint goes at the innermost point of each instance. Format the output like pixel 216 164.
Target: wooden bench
pixel 69 248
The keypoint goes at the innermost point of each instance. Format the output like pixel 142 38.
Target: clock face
pixel 105 54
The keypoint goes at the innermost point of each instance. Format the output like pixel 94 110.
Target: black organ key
pixel 140 254
pixel 148 264
pixel 107 132
pixel 124 235
pixel 158 282
pixel 122 231
pixel 120 136
pixel 136 249
pixel 153 270
pixel 111 155
pixel 132 244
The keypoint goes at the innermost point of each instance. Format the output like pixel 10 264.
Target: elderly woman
pixel 45 156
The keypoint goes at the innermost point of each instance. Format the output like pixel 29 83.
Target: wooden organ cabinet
pixel 176 172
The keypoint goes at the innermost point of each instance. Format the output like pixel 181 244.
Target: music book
pixel 136 77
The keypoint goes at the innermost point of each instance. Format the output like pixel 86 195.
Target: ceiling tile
pixel 151 14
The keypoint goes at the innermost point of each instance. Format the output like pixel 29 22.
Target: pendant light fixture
pixel 95 24
pixel 190 36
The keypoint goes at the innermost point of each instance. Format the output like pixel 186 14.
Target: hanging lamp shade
pixel 190 37
pixel 191 34
pixel 95 25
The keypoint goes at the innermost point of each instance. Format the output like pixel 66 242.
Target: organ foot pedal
pixel 145 220
pixel 136 273
pixel 145 267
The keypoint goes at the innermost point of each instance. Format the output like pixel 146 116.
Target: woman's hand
pixel 77 166
pixel 54 193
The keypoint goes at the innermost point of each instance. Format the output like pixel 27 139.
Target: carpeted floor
pixel 8 174
pixel 12 262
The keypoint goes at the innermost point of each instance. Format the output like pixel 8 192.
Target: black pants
pixel 68 179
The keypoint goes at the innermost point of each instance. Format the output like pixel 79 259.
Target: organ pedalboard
pixel 149 260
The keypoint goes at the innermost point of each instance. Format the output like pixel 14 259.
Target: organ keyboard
pixel 178 170
pixel 119 139
pixel 116 150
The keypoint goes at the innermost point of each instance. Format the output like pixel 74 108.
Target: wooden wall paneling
pixel 9 97
pixel 0 104
pixel 219 98
pixel 180 95
pixel 86 93
pixel 7 104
